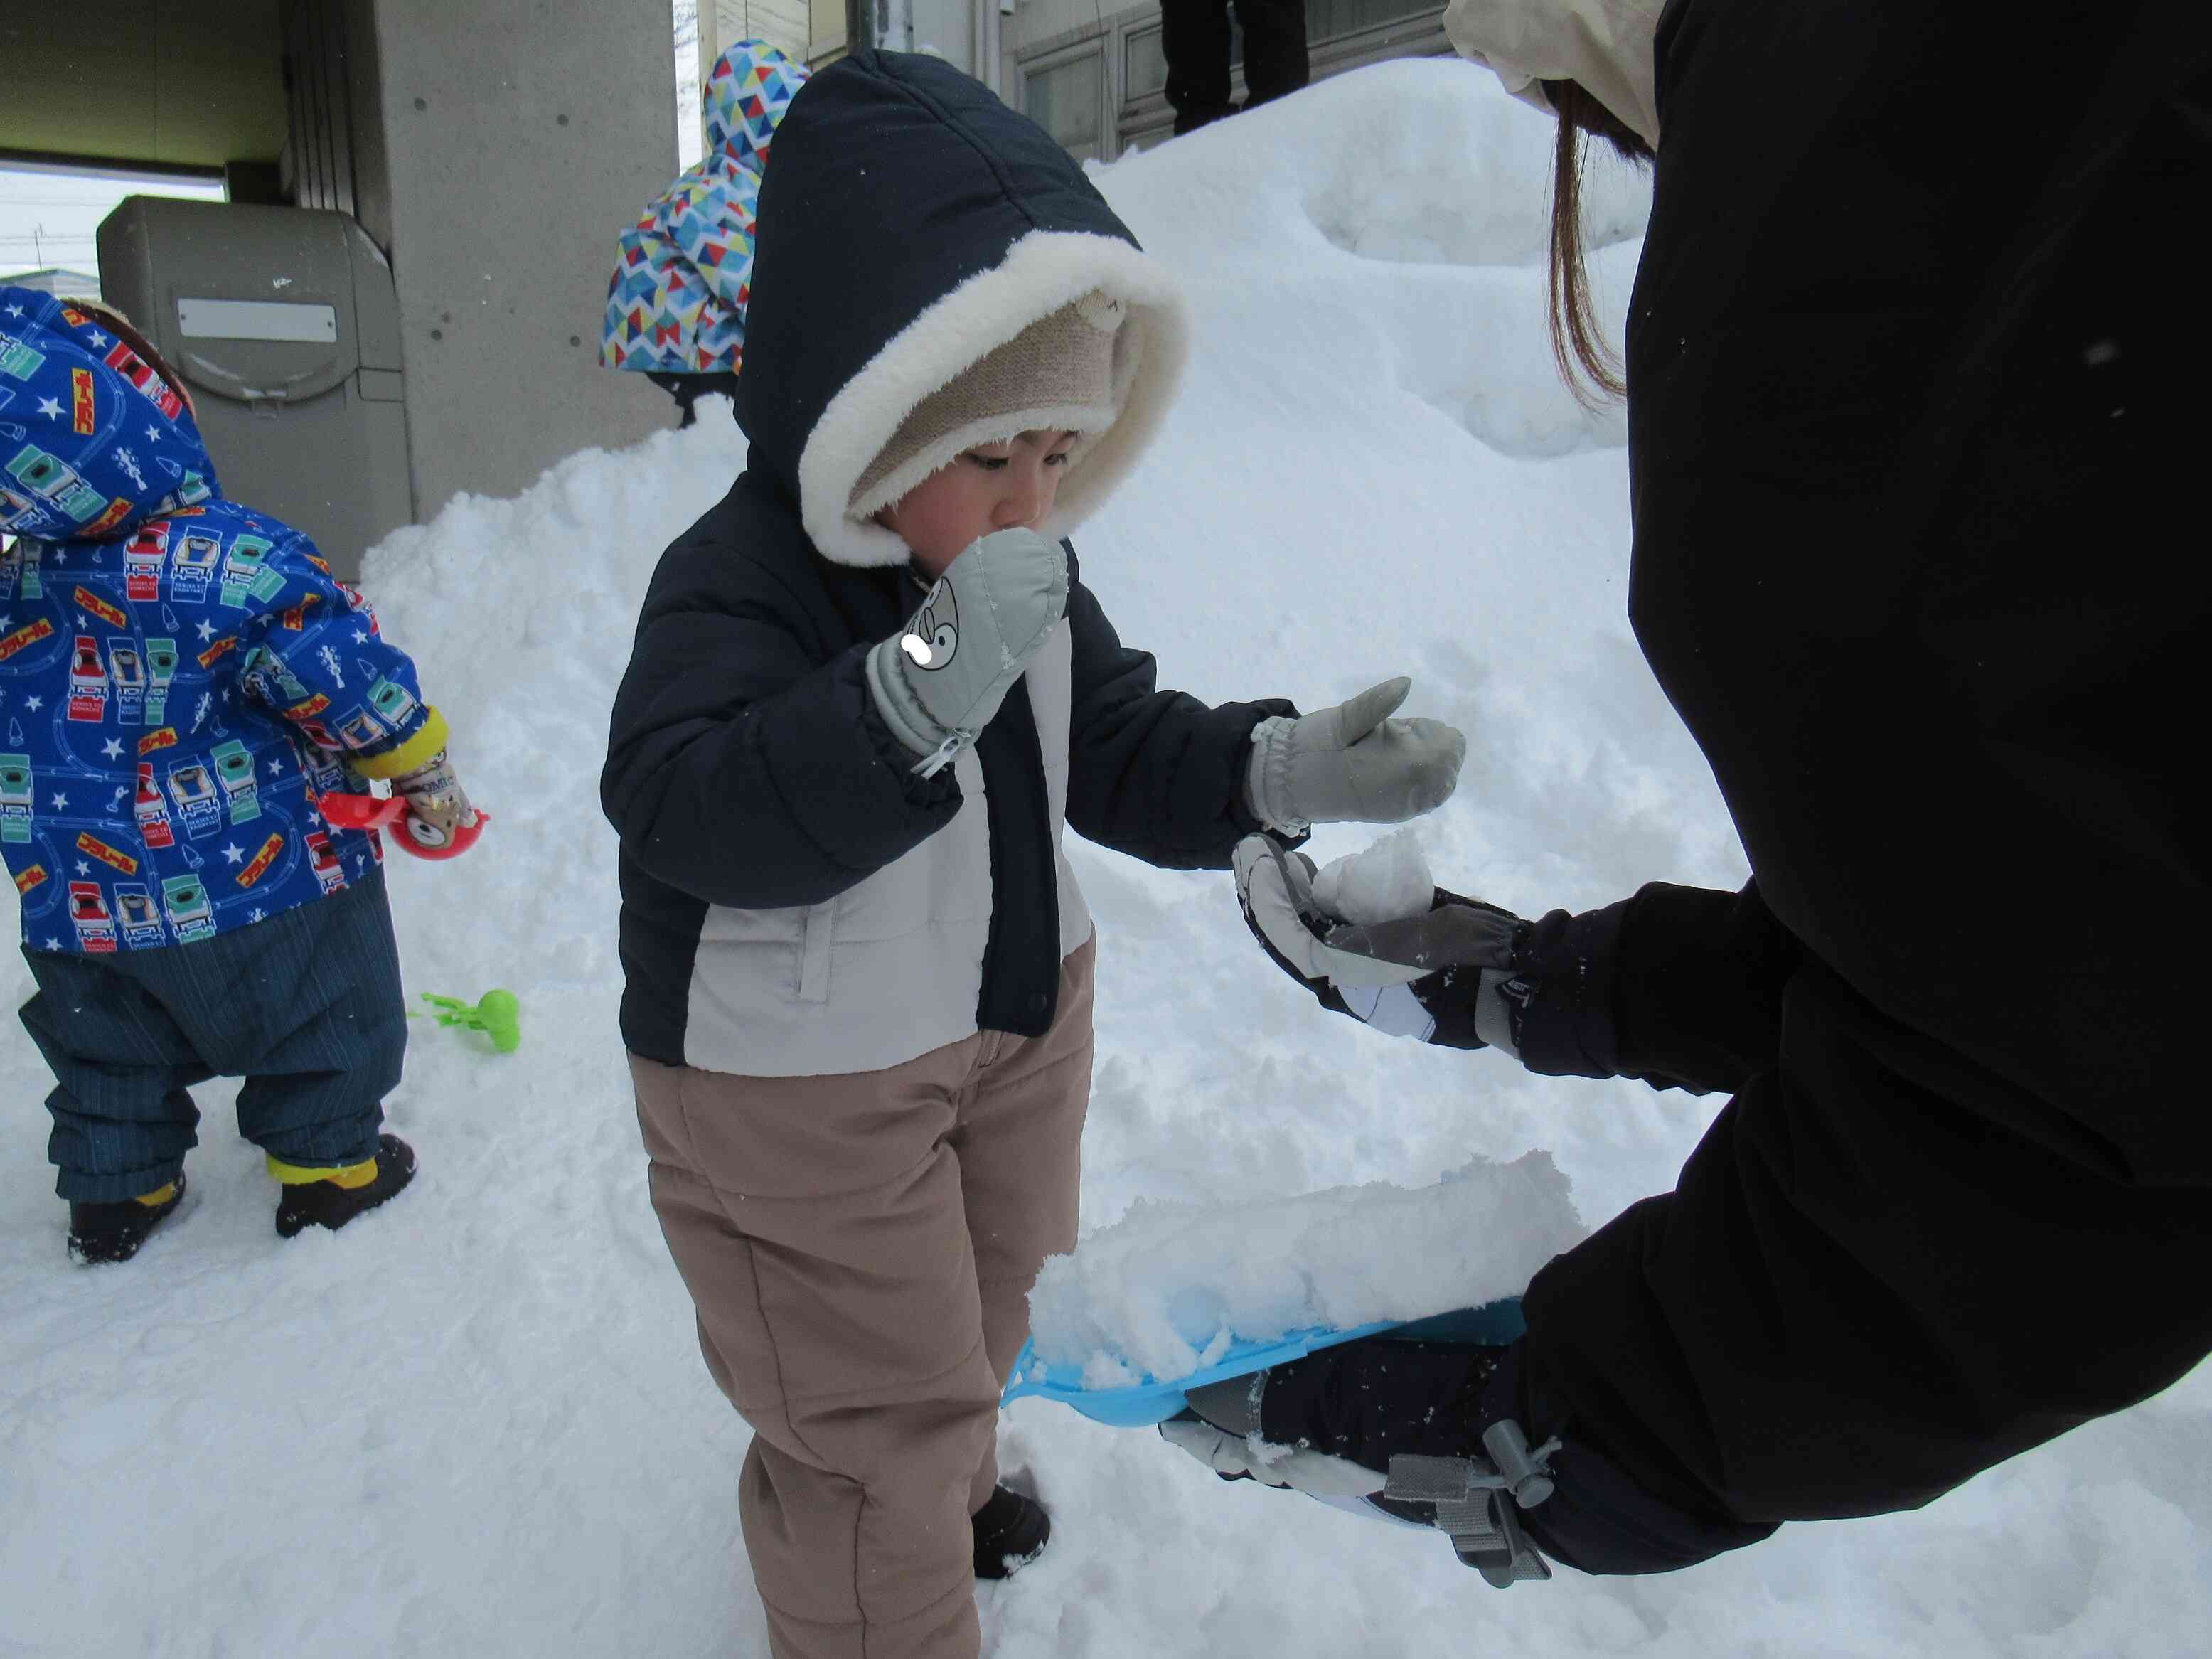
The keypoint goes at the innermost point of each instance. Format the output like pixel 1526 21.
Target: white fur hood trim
pixel 1042 272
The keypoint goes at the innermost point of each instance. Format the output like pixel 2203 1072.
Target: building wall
pixel 826 24
pixel 1041 19
pixel 55 279
pixel 513 139
pixel 786 25
pixel 1092 73
pixel 946 28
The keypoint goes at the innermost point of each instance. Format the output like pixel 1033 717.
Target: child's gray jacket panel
pixel 893 966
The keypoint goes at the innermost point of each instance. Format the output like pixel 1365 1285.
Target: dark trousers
pixel 305 1006
pixel 1194 39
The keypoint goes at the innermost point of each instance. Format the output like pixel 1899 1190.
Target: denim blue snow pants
pixel 305 1006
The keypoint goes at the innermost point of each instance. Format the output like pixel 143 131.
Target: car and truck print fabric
pixel 180 677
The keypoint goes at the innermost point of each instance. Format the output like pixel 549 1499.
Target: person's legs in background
pixel 1194 40
pixel 1275 61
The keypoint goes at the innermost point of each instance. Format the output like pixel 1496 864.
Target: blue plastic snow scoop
pixel 1142 1404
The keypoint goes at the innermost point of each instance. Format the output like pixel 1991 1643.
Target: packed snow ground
pixel 476 1423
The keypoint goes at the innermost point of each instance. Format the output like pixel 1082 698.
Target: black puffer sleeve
pixel 1844 1307
pixel 740 770
pixel 1680 986
pixel 1156 774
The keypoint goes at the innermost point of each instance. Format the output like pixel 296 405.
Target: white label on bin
pixel 256 320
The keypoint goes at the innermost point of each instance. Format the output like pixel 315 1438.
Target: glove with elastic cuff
pixel 938 682
pixel 1352 763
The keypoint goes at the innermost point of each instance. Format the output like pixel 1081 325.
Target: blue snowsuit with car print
pixel 181 678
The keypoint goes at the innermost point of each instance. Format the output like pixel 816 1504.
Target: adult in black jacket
pixel 1913 356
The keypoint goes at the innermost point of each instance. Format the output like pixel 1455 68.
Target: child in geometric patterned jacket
pixel 182 681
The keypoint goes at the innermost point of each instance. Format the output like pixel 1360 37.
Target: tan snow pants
pixel 861 1248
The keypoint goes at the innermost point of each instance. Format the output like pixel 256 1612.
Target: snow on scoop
pixel 1177 1295
pixel 1147 1401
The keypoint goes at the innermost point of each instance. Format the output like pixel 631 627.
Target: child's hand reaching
pixel 937 684
pixel 1352 763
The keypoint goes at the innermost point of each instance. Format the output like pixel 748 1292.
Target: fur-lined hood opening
pixel 911 225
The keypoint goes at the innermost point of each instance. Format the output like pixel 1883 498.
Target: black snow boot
pixel 1011 1531
pixel 114 1232
pixel 345 1193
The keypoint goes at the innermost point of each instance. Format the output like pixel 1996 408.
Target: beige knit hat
pixel 1057 373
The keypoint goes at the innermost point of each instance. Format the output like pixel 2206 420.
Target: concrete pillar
pixel 505 144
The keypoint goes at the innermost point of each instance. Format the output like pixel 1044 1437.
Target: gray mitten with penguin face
pixel 938 682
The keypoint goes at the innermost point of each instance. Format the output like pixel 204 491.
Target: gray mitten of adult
pixel 938 682
pixel 1352 763
pixel 434 795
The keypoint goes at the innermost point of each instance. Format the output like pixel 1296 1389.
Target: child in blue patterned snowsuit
pixel 181 680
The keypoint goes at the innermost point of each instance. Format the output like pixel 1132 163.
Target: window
pixel 1328 19
pixel 1144 66
pixel 1067 99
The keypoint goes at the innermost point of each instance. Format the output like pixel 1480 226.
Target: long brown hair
pixel 1584 355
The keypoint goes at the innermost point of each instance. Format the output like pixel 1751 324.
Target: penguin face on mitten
pixel 934 635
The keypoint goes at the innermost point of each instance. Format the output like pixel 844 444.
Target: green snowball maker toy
pixel 497 1014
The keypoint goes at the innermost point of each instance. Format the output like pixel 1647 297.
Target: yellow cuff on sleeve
pixel 428 740
pixel 299 1175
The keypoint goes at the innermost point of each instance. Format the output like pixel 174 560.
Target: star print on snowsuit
pixel 683 273
pixel 180 677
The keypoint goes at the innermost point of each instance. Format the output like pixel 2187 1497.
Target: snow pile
pixel 476 1421
pixel 1404 215
pixel 1388 880
pixel 1165 1290
pixel 519 614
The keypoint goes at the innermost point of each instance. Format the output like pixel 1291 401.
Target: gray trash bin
pixel 284 322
